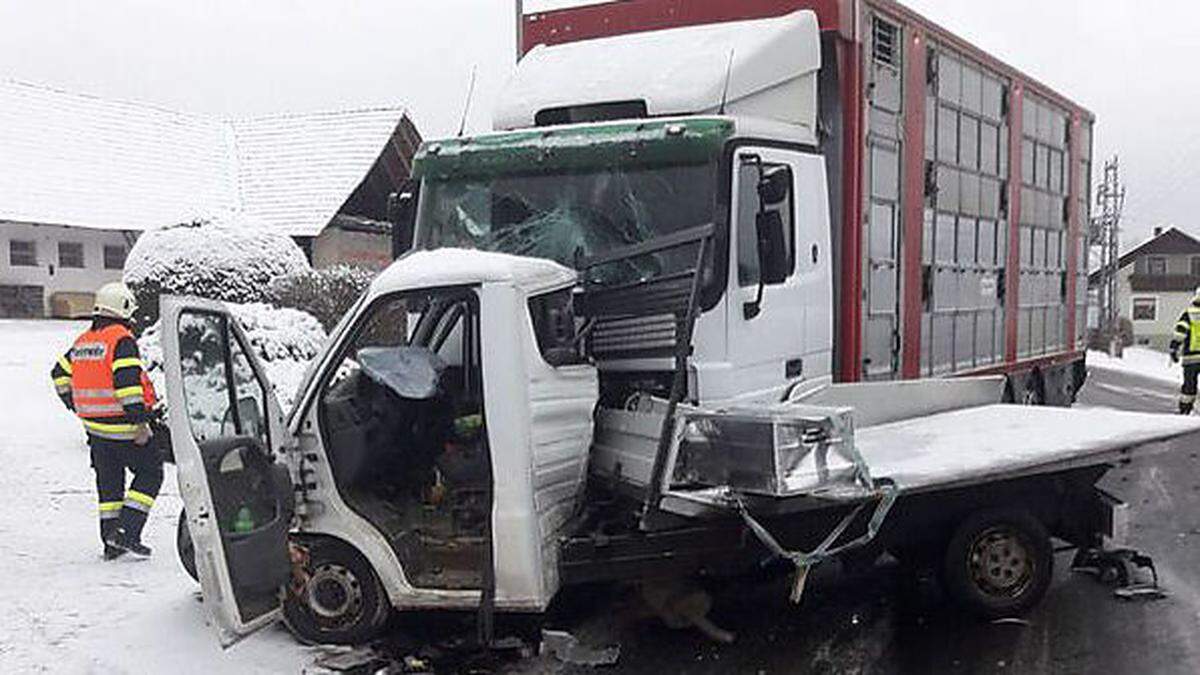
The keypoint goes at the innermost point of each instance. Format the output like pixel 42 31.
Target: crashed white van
pixel 390 454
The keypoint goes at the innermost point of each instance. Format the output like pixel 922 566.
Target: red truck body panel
pixel 1041 254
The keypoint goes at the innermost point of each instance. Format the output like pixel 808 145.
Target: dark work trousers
pixel 1187 394
pixel 119 507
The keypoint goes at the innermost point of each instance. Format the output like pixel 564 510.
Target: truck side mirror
pixel 402 214
pixel 772 248
pixel 774 186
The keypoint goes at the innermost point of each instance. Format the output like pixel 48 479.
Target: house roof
pixel 1171 241
pixel 75 159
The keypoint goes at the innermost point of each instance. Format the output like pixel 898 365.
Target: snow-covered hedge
pixel 232 258
pixel 326 293
pixel 285 340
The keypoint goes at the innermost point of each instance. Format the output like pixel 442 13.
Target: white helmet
pixel 116 301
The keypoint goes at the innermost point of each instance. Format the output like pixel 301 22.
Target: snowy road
pixel 69 611
pixel 65 609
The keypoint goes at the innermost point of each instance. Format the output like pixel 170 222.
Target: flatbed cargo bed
pixel 998 442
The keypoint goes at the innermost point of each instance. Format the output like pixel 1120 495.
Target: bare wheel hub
pixel 334 594
pixel 1000 563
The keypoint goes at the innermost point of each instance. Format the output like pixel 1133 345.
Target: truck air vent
pixel 886 43
pixel 592 112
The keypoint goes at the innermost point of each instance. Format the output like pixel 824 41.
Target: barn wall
pixel 29 290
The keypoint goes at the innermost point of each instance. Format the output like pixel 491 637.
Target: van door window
pixel 222 396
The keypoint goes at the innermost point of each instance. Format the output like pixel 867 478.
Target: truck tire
pixel 184 547
pixel 341 603
pixel 999 563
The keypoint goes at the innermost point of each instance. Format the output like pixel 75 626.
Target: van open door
pixel 229 437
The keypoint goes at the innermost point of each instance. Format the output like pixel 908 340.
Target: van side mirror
pixel 772 248
pixel 402 214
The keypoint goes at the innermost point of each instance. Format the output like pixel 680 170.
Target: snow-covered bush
pixel 286 341
pixel 232 258
pixel 326 293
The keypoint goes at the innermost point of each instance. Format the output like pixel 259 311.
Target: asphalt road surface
pixel 878 622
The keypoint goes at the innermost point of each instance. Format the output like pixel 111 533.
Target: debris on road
pixel 568 649
pixel 354 659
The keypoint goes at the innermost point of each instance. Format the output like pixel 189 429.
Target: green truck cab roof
pixel 639 143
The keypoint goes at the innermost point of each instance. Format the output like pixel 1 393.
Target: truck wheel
pixel 999 563
pixel 342 602
pixel 183 545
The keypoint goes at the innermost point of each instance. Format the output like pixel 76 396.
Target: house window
pixel 22 253
pixel 114 257
pixel 1145 309
pixel 1156 266
pixel 70 255
pixel 1196 266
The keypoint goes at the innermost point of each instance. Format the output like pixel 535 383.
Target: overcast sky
pixel 1131 63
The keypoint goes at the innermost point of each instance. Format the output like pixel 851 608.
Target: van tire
pixel 184 547
pixel 999 563
pixel 342 601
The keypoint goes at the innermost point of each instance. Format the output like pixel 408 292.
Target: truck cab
pixel 620 141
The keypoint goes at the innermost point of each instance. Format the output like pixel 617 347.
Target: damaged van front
pixel 451 410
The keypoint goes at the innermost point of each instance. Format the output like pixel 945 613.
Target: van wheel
pixel 342 601
pixel 999 563
pixel 185 548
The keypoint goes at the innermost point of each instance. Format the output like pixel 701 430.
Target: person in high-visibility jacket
pixel 101 379
pixel 1187 339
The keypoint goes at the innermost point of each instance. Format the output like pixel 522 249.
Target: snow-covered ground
pixel 66 610
pixel 1139 361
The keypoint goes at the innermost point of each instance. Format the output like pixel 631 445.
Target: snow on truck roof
pixel 460 267
pixel 86 161
pixel 676 71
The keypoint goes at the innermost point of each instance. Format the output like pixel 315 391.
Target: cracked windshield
pixel 567 217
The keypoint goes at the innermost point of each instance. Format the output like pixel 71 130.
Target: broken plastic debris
pixel 1141 592
pixel 567 648
pixel 343 660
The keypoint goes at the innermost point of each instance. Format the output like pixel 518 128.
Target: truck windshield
pixel 567 216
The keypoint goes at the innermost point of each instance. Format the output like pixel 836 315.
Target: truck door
pixel 229 436
pixel 766 323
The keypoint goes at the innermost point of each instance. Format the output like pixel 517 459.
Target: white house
pixel 1156 281
pixel 81 176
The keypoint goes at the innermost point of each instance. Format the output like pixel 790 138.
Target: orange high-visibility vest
pixel 92 364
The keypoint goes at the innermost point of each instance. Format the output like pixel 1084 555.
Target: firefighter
pixel 101 379
pixel 1187 337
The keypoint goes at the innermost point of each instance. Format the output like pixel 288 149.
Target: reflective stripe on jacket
pixel 102 379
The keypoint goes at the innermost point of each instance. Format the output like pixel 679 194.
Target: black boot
pixel 125 544
pixel 1186 408
pixel 113 552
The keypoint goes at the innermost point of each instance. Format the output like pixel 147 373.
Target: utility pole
pixel 520 26
pixel 1105 234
